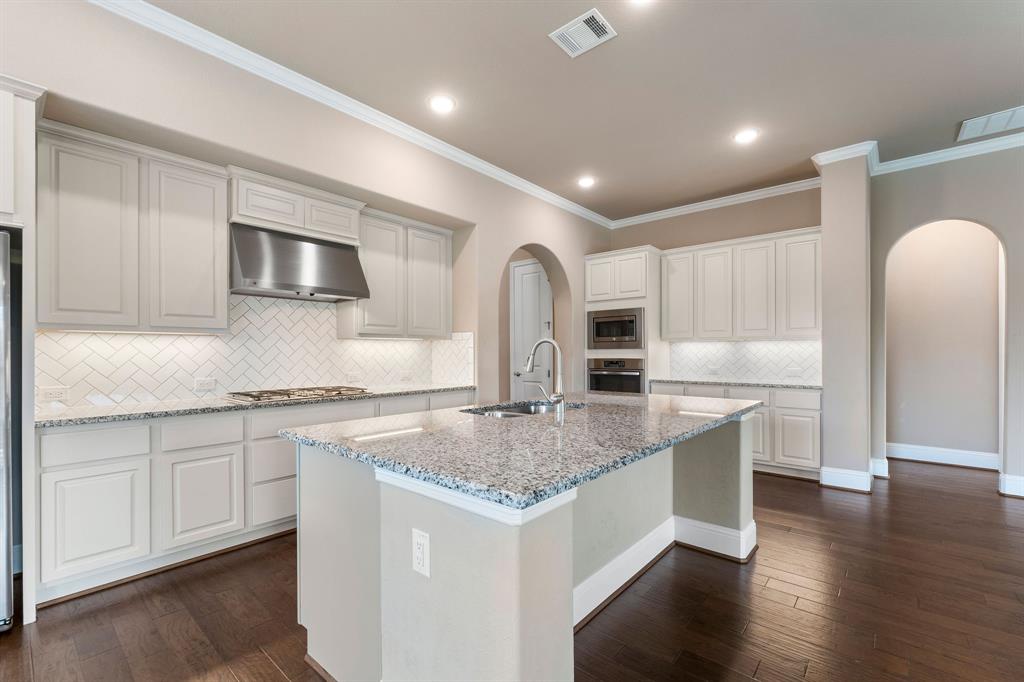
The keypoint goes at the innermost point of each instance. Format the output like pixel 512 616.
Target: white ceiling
pixel 651 113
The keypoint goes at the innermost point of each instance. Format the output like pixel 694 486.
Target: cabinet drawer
pixel 269 203
pixel 76 447
pixel 200 431
pixel 660 388
pixel 749 393
pixel 404 404
pixel 439 401
pixel 700 391
pixel 266 423
pixel 273 501
pixel 801 400
pixel 270 459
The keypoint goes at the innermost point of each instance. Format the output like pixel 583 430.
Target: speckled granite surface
pixel 94 414
pixel 521 461
pixel 721 382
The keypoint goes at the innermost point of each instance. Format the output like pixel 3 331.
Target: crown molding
pixel 178 29
pixel 732 199
pixel 995 144
pixel 21 88
pixel 868 149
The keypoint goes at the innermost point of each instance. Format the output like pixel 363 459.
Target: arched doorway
pixel 944 345
pixel 534 301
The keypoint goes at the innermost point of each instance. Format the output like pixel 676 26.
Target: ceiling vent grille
pixel 583 33
pixel 991 124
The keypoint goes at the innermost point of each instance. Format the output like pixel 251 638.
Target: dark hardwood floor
pixel 923 580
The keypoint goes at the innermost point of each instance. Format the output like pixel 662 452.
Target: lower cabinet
pixel 797 437
pixel 93 516
pixel 199 494
pixel 761 423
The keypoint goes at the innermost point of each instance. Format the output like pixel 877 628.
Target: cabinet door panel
pixel 382 254
pixel 270 203
pixel 799 287
pixel 714 293
pixel 754 266
pixel 88 235
pixel 92 517
pixel 631 276
pixel 188 248
pixel 200 495
pixel 332 219
pixel 428 282
pixel 761 426
pixel 677 296
pixel 797 437
pixel 600 279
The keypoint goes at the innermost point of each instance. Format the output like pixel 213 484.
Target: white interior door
pixel 531 317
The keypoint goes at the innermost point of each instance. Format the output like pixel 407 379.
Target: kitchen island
pixel 454 545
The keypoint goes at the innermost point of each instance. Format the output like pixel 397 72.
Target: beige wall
pixel 107 74
pixel 986 189
pixel 942 323
pixel 775 214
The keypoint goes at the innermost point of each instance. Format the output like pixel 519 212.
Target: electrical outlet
pixel 421 552
pixel 405 378
pixel 54 393
pixel 793 371
pixel 714 370
pixel 204 384
pixel 354 378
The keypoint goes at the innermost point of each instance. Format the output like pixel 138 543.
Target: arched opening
pixel 945 345
pixel 534 301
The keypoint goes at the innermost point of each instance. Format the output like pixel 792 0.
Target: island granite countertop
pixel 746 384
pixel 95 414
pixel 522 461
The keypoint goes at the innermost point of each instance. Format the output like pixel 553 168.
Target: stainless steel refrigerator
pixel 6 441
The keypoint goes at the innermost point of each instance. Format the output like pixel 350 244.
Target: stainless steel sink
pixel 500 412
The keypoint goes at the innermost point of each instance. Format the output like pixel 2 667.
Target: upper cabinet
pixel 130 239
pixel 265 201
pixel 748 289
pixel 408 268
pixel 617 275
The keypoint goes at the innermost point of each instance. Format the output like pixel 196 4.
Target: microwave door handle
pixel 616 318
pixel 614 373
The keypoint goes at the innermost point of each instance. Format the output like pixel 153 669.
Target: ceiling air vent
pixel 583 33
pixel 991 124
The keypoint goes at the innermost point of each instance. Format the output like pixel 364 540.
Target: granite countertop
pixel 726 382
pixel 94 414
pixel 521 461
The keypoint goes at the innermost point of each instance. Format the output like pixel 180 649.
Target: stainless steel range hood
pixel 269 263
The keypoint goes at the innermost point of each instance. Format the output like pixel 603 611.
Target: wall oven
pixel 619 376
pixel 615 329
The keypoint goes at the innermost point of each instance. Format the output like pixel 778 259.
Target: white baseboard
pixel 928 453
pixel 729 542
pixel 589 594
pixel 791 472
pixel 16 558
pixel 880 467
pixel 848 479
pixel 1011 485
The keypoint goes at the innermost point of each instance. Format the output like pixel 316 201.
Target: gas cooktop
pixel 285 394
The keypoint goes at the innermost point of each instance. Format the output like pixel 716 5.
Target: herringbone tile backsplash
pixel 273 343
pixel 767 361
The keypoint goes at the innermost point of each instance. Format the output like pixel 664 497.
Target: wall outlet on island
pixel 48 394
pixel 421 552
pixel 204 384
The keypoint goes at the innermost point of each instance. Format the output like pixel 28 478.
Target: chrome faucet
pixel 556 397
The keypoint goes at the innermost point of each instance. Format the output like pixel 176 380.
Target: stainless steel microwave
pixel 615 329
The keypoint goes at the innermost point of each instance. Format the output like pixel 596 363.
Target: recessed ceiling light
pixel 586 182
pixel 442 104
pixel 746 136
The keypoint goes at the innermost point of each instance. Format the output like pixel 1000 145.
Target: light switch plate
pixel 421 552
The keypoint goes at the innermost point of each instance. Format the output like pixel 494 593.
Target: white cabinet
pixel 761 428
pixel 618 275
pixel 754 290
pixel 799 286
pixel 88 235
pixel 797 437
pixel 199 494
pixel 714 293
pixel 408 268
pixel 266 201
pixel 93 516
pixel 188 248
pixel 428 271
pixel 677 280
